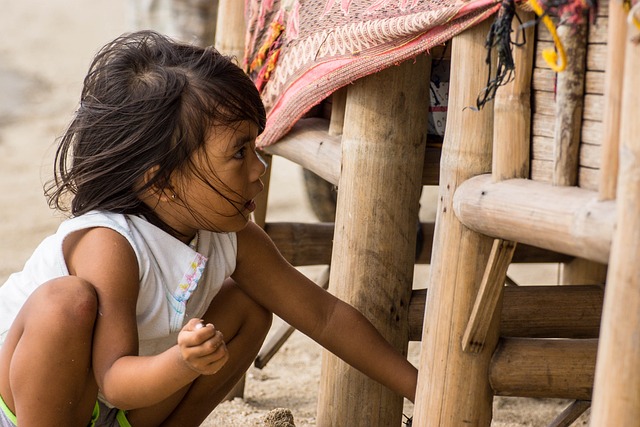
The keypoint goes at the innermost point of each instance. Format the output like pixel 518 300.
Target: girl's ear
pixel 165 194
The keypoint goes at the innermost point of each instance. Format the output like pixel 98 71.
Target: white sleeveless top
pixel 177 282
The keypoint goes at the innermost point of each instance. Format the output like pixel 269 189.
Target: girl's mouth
pixel 250 205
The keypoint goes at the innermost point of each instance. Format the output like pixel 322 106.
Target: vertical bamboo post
pixel 511 133
pixel 383 145
pixel 194 21
pixel 569 105
pixel 230 28
pixel 453 386
pixel 616 398
pixel 512 111
pixel 612 98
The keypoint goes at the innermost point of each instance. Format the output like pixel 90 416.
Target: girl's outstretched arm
pixel 271 281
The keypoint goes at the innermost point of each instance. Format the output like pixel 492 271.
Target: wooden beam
pixel 569 220
pixel 570 413
pixel 230 29
pixel 447 375
pixel 489 296
pixel 613 77
pixel 539 367
pixel 617 396
pixel 312 244
pixel 535 312
pixel 383 146
pixel 313 146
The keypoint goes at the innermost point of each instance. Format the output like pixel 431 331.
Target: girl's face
pixel 217 192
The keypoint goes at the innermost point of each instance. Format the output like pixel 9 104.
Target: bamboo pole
pixel 312 244
pixel 550 368
pixel 489 298
pixel 612 95
pixel 194 21
pixel 511 134
pixel 310 144
pixel 617 395
pixel 535 312
pixel 230 29
pixel 453 386
pixel 569 102
pixel 383 145
pixel 571 413
pixel 568 220
pixel 512 111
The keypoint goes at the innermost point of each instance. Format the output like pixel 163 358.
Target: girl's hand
pixel 202 347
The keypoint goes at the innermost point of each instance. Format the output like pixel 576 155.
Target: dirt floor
pixel 45 49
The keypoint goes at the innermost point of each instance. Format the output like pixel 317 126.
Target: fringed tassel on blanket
pixel 570 12
pixel 499 38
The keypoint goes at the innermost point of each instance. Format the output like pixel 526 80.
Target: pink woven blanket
pixel 298 52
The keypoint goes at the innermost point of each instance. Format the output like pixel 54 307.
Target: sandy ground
pixel 45 49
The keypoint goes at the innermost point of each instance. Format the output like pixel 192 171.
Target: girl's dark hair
pixel 147 102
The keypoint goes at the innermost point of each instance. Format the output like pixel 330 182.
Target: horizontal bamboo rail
pixel 538 367
pixel 312 243
pixel 535 312
pixel 569 220
pixel 310 145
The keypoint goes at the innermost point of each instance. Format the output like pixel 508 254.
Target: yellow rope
pixel 632 13
pixel 550 55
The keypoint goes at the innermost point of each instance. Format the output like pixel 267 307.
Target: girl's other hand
pixel 202 347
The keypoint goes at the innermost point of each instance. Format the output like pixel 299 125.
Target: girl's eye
pixel 241 153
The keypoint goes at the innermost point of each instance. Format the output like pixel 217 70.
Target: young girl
pixel 149 304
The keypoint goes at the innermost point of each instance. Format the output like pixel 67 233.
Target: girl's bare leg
pixel 244 325
pixel 45 362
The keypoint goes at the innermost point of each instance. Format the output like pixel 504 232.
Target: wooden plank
pixel 565 219
pixel 489 296
pixel 550 368
pixel 588 179
pixel 590 155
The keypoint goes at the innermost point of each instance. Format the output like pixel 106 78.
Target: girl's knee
pixel 67 299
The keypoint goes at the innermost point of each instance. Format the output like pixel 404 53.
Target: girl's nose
pixel 262 164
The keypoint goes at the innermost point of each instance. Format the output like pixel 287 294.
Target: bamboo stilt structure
pixel 312 244
pixel 511 134
pixel 383 145
pixel 230 29
pixel 458 257
pixel 613 96
pixel 569 220
pixel 616 400
pixel 568 125
pixel 570 413
pixel 535 312
pixel 489 296
pixel 538 367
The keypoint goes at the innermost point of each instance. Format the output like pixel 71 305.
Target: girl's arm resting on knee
pixel 127 380
pixel 271 281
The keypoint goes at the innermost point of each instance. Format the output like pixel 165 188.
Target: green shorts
pixel 102 416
